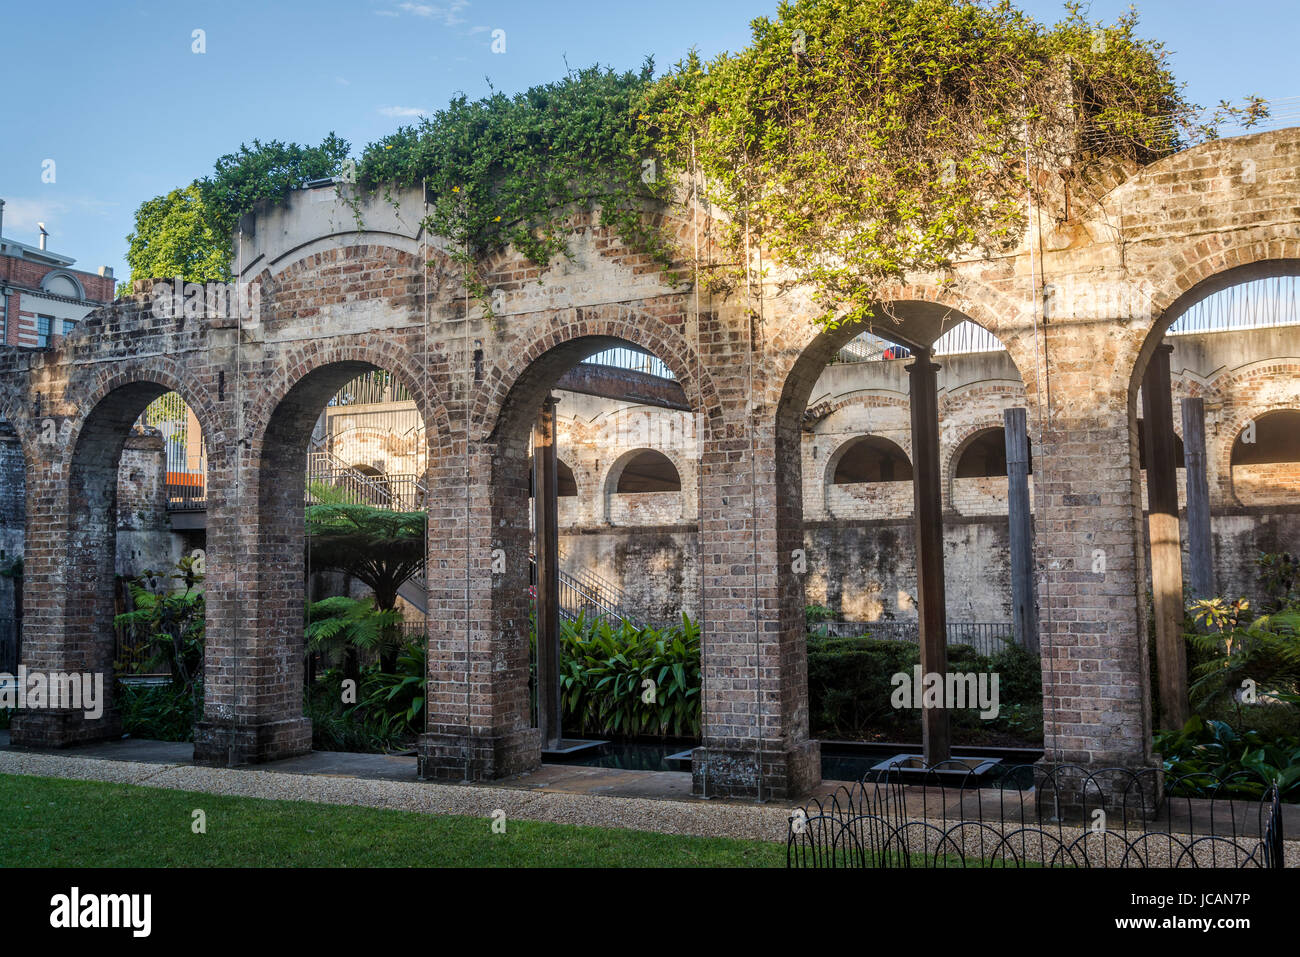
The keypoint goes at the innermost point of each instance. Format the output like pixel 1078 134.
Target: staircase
pixel 582 594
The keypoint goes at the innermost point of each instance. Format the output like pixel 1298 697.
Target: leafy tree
pixel 174 236
pixel 379 547
pixel 188 232
pixel 266 171
pixel 860 140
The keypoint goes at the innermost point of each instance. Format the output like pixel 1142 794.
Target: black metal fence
pixel 986 637
pixel 957 815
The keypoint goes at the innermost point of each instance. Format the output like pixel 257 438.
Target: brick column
pixel 254 654
pixel 477 704
pixel 755 723
pixel 1096 696
pixel 68 581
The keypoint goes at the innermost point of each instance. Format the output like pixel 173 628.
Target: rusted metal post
pixel 936 738
pixel 1166 546
pixel 545 500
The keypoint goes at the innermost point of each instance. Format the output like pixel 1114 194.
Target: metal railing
pixel 371 388
pixel 974 812
pixel 986 637
pixel 633 360
pixel 965 337
pixel 1259 304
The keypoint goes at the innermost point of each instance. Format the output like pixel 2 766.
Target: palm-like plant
pixel 379 547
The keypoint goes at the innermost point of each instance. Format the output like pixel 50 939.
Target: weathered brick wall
pixel 144 538
pixel 339 300
pixel 1274 483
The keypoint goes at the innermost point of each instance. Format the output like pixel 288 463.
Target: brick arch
pixel 833 460
pixel 86 394
pixel 306 259
pixel 388 355
pixel 1213 265
pixel 503 382
pixel 1235 426
pixel 801 348
pixel 957 449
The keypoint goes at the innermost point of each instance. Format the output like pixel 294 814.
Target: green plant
pixel 159 713
pixel 814 615
pixel 857 142
pixel 514 170
pixel 1218 752
pixel 604 674
pixel 172 620
pixel 380 547
pixel 396 699
pixel 850 688
pixel 1240 654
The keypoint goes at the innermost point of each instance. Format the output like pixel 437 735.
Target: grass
pixel 52 822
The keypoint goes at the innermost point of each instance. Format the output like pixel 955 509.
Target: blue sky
pixel 113 93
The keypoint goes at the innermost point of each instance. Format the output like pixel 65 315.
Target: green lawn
pixel 52 822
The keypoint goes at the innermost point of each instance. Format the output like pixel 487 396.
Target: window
pixel 43 326
pixel 69 325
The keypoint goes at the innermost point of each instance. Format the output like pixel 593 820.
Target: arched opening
pixel 1265 459
pixel 985 456
pixel 342 544
pixel 123 559
pixel 566 483
pixel 594 397
pixel 1221 351
pixel 871 458
pixel 13 520
pixel 161 549
pixel 648 471
pixel 863 580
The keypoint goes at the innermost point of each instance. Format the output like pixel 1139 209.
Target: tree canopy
pixel 854 141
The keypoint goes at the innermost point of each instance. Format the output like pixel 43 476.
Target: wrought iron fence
pixel 1259 304
pixel 371 388
pixel 633 360
pixel 986 637
pixel 963 814
pixel 10 645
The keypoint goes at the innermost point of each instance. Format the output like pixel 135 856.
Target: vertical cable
pixel 237 467
pixel 1044 401
pixel 753 505
pixel 699 453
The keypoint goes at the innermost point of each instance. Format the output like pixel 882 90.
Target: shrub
pixel 1215 749
pixel 160 713
pixel 604 674
pixel 850 687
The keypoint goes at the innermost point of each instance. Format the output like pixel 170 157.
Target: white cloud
pixel 23 213
pixel 449 14
pixel 341 81
pixel 403 111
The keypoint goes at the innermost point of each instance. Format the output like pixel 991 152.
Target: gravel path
pixel 699 819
